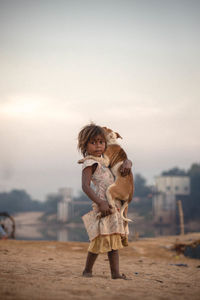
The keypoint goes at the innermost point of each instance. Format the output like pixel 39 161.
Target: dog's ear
pixel 118 135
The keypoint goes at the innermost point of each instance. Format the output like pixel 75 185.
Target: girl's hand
pixel 105 208
pixel 126 167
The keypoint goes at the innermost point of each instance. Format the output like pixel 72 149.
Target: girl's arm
pixel 104 207
pixel 126 167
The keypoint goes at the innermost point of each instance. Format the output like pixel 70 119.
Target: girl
pixel 106 233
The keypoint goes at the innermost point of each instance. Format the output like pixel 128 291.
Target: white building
pixel 65 206
pixel 168 189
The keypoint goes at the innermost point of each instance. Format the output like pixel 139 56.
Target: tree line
pixel 20 201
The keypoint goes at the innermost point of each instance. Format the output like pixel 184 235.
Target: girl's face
pixel 96 146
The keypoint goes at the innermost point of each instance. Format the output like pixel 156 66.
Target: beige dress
pixel 108 232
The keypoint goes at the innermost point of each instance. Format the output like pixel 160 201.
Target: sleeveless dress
pixel 105 233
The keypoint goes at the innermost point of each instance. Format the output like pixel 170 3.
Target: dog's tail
pixel 124 206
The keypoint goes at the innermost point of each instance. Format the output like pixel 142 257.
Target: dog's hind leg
pixel 109 196
pixel 124 206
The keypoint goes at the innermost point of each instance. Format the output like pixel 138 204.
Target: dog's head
pixel 111 136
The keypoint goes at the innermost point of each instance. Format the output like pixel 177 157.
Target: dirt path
pixel 52 270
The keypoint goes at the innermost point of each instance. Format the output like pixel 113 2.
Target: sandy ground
pixel 52 270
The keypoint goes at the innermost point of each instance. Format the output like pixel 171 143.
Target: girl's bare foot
pixel 86 274
pixel 118 276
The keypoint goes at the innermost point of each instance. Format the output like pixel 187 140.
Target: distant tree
pixel 141 188
pixel 81 197
pixel 51 203
pixel 194 173
pixel 174 172
pixel 194 204
pixel 79 208
pixel 18 201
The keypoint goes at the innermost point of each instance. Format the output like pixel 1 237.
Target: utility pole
pixel 181 217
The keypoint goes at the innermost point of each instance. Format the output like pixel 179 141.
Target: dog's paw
pixel 81 161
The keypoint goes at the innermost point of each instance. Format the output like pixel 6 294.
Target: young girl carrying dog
pixel 104 225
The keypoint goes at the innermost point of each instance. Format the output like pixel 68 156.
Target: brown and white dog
pixel 123 186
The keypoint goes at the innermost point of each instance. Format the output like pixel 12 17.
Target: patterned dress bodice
pixel 101 179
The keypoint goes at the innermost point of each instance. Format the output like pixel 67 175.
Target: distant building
pixel 68 209
pixel 65 208
pixel 167 190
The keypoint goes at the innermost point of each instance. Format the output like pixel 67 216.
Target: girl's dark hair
pixel 87 133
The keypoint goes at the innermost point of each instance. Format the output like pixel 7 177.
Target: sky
pixel 133 66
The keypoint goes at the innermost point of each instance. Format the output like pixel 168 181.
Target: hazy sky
pixel 133 66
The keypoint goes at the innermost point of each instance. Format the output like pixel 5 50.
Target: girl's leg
pixel 113 257
pixel 91 257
